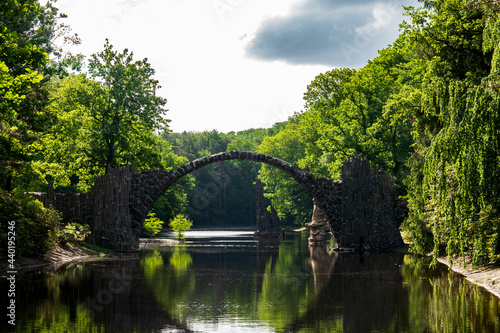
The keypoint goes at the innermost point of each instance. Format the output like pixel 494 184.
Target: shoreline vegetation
pixel 487 276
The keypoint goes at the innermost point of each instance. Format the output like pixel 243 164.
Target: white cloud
pixel 198 51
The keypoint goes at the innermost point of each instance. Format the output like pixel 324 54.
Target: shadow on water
pixel 233 283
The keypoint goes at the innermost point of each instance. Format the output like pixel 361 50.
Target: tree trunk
pixel 110 157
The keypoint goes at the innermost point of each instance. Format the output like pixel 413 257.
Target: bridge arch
pixel 147 186
pixel 362 207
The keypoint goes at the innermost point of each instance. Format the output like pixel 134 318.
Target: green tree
pixel 63 150
pixel 291 201
pixel 27 31
pixel 179 224
pixel 152 225
pixel 106 118
pixel 453 187
pixel 247 140
pixel 349 107
pixel 346 114
pixel 124 107
pixel 28 60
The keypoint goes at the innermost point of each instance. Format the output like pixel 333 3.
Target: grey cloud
pixel 335 33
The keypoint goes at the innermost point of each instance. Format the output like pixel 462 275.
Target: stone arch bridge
pixel 361 207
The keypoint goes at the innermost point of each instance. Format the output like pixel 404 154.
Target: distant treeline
pixel 223 193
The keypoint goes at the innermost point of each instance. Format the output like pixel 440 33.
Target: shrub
pixel 74 232
pixel 152 225
pixel 36 227
pixel 179 224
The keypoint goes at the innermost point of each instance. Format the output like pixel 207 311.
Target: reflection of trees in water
pixel 180 260
pixel 371 290
pixel 287 286
pixel 269 284
pixel 364 295
pixel 46 299
pixel 169 281
pixel 217 278
pixel 443 301
pixel 105 296
pixel 274 286
pixel 266 252
pixel 396 293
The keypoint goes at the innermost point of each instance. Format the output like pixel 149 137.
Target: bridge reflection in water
pixel 238 284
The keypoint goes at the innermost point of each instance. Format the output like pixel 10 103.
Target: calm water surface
pixel 224 281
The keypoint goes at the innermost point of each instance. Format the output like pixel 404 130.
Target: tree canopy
pixel 453 186
pixel 106 117
pixel 26 31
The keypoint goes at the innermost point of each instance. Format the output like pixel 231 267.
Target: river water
pixel 224 281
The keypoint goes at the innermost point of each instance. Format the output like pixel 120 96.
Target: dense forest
pixel 426 109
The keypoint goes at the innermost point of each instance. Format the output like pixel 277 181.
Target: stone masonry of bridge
pixel 361 207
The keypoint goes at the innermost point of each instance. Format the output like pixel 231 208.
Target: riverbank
pixel 487 276
pixel 61 254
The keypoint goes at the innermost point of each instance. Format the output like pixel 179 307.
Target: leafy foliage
pixel 179 224
pixel 346 115
pixel 426 110
pixel 350 109
pixel 152 225
pixel 123 106
pixel 74 232
pixel 36 227
pixel 25 32
pixel 107 119
pixel 453 187
pixel 292 202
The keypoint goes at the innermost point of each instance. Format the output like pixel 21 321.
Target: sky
pixel 232 65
